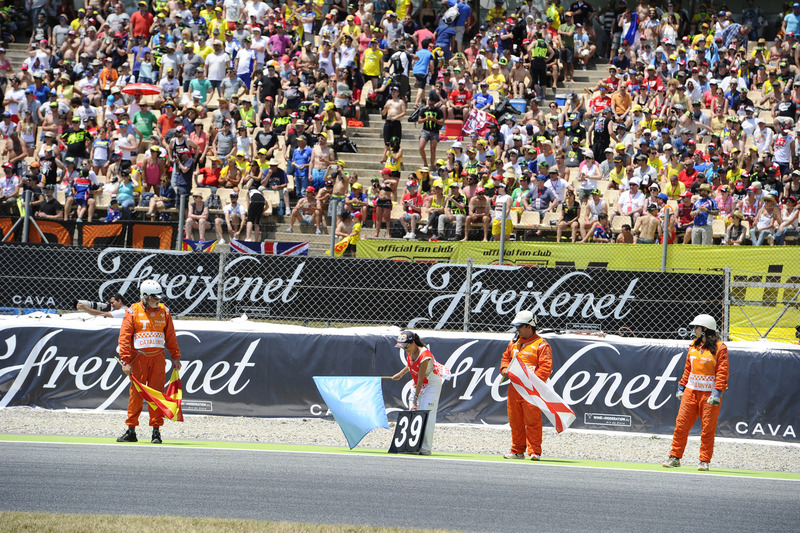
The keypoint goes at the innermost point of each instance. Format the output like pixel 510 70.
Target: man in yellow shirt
pixel 208 11
pixel 217 22
pixel 78 22
pixel 675 188
pixel 618 174
pixel 700 38
pixel 404 7
pixel 497 13
pixel 496 81
pixel 371 63
pixel 350 28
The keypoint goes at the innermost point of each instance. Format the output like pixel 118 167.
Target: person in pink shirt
pixel 279 42
pixel 725 201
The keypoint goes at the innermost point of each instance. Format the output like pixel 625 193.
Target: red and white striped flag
pixel 541 394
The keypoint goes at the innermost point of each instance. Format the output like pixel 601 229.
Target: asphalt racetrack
pixel 385 490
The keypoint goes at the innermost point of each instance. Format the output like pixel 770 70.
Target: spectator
pixel 197 217
pixel 234 217
pixel 736 232
pixel 570 217
pixel 767 221
pixel 789 221
pixel 703 210
pixel 412 205
pixel 432 120
pixel 479 211
pixel 631 202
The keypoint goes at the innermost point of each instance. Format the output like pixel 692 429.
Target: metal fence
pixel 322 292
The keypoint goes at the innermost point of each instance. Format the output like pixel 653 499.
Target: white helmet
pixel 706 321
pixel 523 318
pixel 151 287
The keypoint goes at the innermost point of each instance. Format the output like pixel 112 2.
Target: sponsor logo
pixel 598 419
pixel 552 301
pixel 81 373
pixel 197 405
pixel 762 430
pixel 33 301
pixel 579 387
pixel 197 288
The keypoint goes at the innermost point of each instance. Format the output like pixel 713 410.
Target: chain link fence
pixel 325 292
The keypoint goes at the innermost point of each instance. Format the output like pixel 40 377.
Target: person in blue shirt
pixel 464 11
pixel 41 90
pixel 445 35
pixel 301 159
pixel 621 61
pixel 791 22
pixel 483 100
pixel 703 212
pixel 422 67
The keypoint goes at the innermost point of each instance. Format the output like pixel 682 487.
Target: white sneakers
pixel 409 236
pixel 289 230
pixel 514 456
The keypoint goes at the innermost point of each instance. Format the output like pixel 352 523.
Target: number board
pixel 409 431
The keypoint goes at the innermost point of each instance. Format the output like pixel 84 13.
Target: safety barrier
pixel 251 369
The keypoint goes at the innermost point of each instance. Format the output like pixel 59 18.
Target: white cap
pixel 524 318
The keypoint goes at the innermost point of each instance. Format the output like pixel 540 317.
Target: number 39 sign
pixel 409 431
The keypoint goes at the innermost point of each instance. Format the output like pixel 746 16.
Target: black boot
pixel 128 436
pixel 156 439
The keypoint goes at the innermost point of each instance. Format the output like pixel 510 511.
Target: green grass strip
pixel 794 476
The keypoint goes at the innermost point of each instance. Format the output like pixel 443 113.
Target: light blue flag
pixel 356 403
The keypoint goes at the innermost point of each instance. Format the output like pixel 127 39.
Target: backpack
pixel 345 145
pixel 397 64
pixel 450 16
pixel 214 202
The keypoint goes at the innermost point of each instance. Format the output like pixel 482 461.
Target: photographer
pixel 115 308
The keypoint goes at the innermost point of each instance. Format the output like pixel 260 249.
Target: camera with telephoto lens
pixel 100 306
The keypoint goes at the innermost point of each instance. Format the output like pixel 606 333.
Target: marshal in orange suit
pixel 705 378
pixel 146 330
pixel 524 418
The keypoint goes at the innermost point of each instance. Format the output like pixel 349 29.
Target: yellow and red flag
pixel 168 403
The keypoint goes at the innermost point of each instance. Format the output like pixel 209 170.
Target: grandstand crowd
pixel 116 113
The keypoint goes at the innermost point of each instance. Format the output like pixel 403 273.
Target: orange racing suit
pixel 524 418
pixel 703 373
pixel 142 338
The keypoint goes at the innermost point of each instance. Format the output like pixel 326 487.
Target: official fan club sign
pixel 415 295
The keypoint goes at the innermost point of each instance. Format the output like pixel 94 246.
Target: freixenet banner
pixel 242 369
pixel 358 291
pixel 765 308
